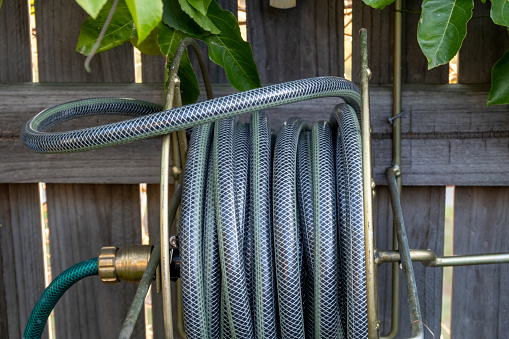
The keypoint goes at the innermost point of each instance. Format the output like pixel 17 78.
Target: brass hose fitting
pixel 127 263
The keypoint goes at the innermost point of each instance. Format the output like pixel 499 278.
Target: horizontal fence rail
pixel 449 137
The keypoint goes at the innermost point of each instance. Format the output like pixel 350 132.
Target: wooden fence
pixel 449 137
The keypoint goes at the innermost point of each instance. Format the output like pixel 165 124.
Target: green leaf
pixel 175 17
pixel 92 7
pixel 169 39
pixel 149 46
pixel 120 30
pixel 500 12
pixel 146 14
pixel 499 93
pixel 378 4
pixel 203 20
pixel 230 51
pixel 200 5
pixel 442 28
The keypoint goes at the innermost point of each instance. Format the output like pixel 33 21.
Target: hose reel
pixel 272 233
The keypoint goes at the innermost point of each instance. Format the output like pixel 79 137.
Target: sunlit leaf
pixel 203 20
pixel 146 14
pixel 175 17
pixel 92 7
pixel 149 46
pixel 169 39
pixel 442 28
pixel 229 50
pixel 200 5
pixel 378 4
pixel 499 93
pixel 120 29
pixel 500 12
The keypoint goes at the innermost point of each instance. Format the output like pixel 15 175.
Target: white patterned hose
pixel 271 231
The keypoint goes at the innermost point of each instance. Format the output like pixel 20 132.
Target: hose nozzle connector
pixel 127 263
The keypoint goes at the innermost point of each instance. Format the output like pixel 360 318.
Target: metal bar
pixel 173 88
pixel 173 93
pixel 396 160
pixel 394 256
pixel 468 260
pixel 371 267
pixel 430 259
pixel 139 298
pixel 406 261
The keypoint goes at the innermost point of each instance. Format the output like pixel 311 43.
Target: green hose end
pixel 53 293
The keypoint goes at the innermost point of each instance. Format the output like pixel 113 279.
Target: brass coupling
pixel 127 263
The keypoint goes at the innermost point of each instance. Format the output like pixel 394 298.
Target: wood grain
pixel 484 44
pixel 58 26
pixel 82 219
pixel 152 69
pixel 21 257
pixel 424 212
pixel 480 295
pixel 15 51
pixel 380 25
pixel 296 43
pixel 452 139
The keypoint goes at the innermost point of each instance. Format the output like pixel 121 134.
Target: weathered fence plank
pixel 57 35
pixel 296 43
pixel 82 219
pixel 15 55
pixel 380 25
pixel 21 257
pixel 152 69
pixel 484 44
pixel 480 294
pixel 424 212
pixel 453 139
pixel 21 254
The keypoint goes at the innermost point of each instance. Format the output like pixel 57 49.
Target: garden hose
pixel 271 233
pixel 54 292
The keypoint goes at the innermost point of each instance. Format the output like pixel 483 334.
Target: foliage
pixel 158 26
pixel 442 29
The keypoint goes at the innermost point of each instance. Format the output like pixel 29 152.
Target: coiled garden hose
pixel 54 292
pixel 271 233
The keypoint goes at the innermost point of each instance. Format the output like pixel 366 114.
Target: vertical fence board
pixel 15 53
pixel 58 23
pixel 424 212
pixel 415 65
pixel 296 43
pixel 157 303
pixel 484 44
pixel 152 68
pixel 21 255
pixel 82 219
pixel 480 294
pixel 21 261
pixel 380 25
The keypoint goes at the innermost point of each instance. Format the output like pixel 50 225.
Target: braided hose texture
pixel 271 228
pixel 53 293
pixel 150 122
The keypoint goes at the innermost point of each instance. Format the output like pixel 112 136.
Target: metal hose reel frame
pixel 34 137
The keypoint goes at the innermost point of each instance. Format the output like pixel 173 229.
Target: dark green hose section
pixel 54 292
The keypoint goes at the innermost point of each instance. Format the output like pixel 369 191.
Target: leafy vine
pixel 157 27
pixel 442 29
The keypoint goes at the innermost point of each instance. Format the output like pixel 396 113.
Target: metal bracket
pixel 392 118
